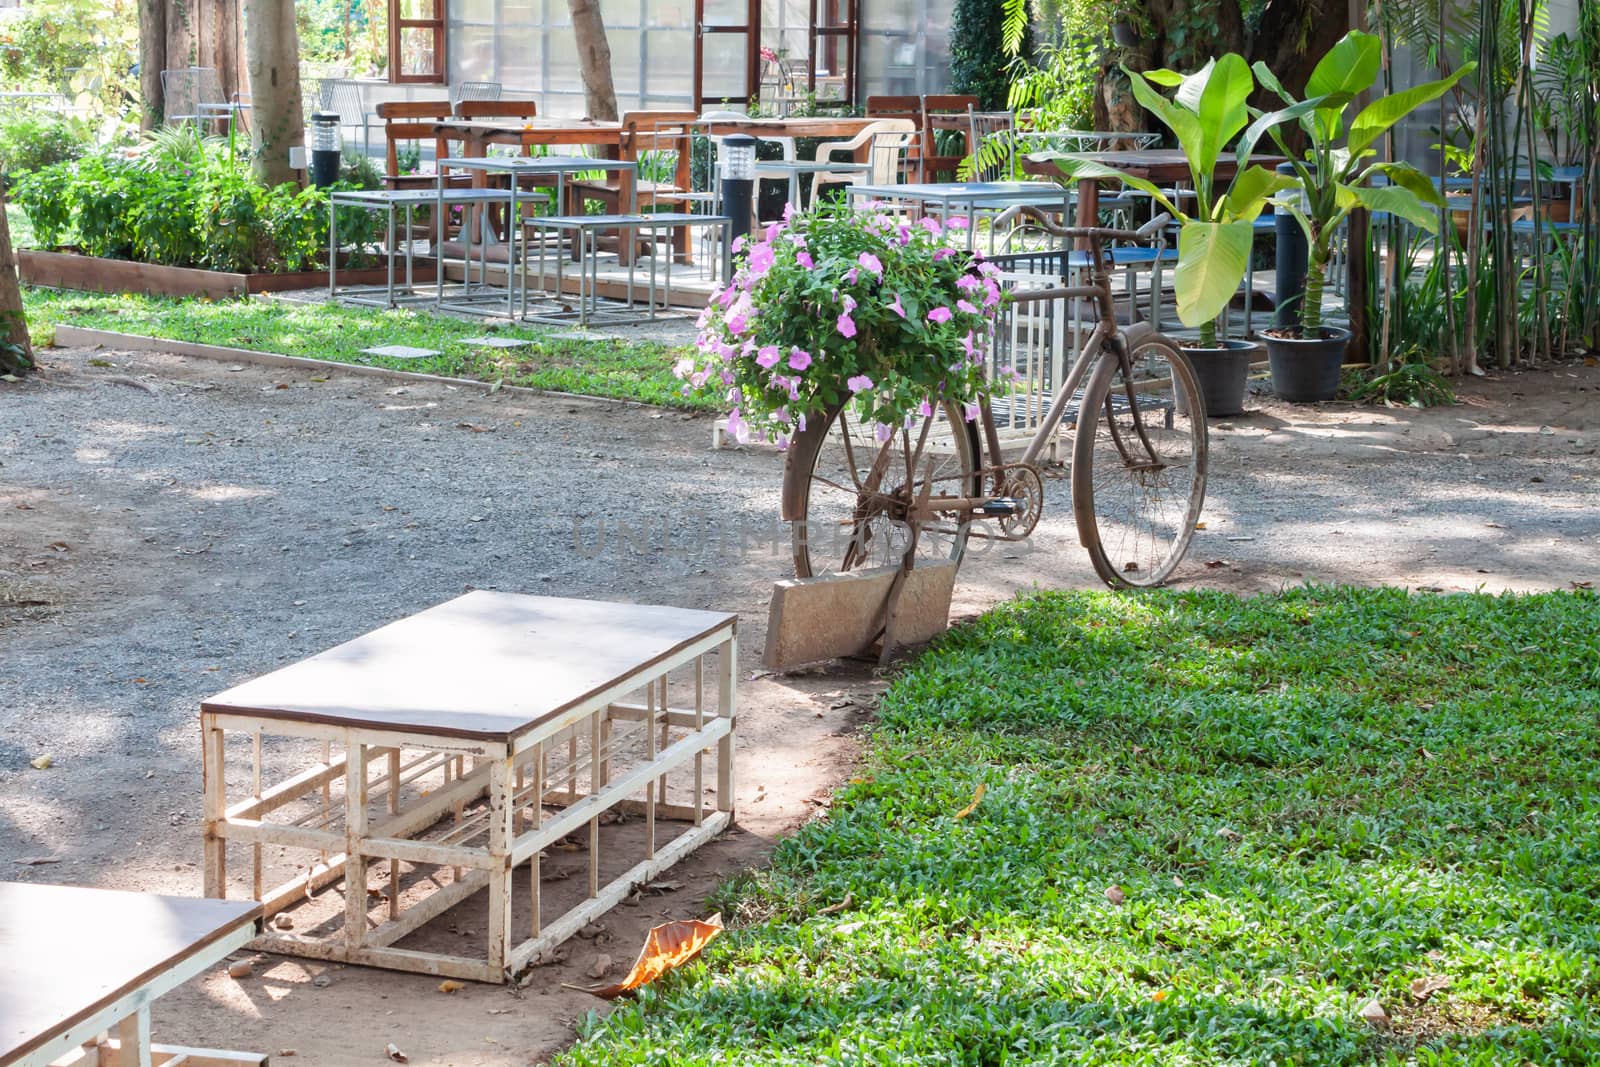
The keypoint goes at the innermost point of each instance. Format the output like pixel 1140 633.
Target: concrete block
pixel 495 342
pixel 400 352
pixel 813 619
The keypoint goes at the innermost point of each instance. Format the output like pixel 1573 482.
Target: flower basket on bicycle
pixel 861 344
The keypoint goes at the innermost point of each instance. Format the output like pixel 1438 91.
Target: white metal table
pixel 944 198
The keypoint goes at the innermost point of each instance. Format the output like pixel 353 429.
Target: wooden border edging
pixel 83 336
pixel 95 274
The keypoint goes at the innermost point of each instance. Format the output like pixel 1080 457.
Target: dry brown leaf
pixel 977 798
pixel 668 947
pixel 834 909
pixel 451 986
pixel 1423 988
pixel 394 1053
pixel 42 763
pixel 1116 895
pixel 1374 1015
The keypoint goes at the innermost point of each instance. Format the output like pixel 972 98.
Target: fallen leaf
pixel 1423 988
pixel 41 763
pixel 1582 585
pixel 287 1052
pixel 1116 895
pixel 1228 834
pixel 450 985
pixel 101 363
pixel 663 887
pixel 394 1053
pixel 668 947
pixel 834 909
pixel 38 861
pixel 1374 1015
pixel 1199 526
pixel 1216 563
pixel 977 797
pixel 495 388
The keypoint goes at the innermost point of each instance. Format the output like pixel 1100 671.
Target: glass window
pixel 416 41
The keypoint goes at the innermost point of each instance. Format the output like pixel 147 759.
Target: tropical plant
pixel 1333 177
pixel 977 37
pixel 1208 111
pixel 836 306
pixel 29 142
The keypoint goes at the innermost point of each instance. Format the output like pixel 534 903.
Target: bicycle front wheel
pixel 848 495
pixel 1139 463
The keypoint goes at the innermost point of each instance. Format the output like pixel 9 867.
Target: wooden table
pixel 559 704
pixel 79 963
pixel 773 129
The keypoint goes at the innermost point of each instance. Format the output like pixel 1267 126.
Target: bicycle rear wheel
pixel 846 494
pixel 1139 463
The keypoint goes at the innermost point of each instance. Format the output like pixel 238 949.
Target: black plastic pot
pixel 1222 372
pixel 1305 370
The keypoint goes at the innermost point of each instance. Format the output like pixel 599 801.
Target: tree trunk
pixel 276 125
pixel 152 61
pixel 594 60
pixel 16 352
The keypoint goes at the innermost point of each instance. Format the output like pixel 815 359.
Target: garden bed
pixel 74 270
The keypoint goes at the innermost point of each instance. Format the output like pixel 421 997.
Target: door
pixel 835 31
pixel 727 35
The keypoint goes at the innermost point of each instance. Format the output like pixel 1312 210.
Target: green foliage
pixel 1334 175
pixel 1059 88
pixel 1305 801
pixel 30 142
pixel 85 49
pixel 1408 382
pixel 1209 111
pixel 186 201
pixel 638 371
pixel 977 43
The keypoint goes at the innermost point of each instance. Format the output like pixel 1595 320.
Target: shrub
pixel 977 50
pixel 184 202
pixel 30 142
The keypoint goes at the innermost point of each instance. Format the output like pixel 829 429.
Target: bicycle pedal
pixel 1002 507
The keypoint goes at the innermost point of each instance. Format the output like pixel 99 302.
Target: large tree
pixel 16 352
pixel 272 48
pixel 594 60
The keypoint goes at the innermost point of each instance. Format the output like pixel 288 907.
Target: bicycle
pixel 1138 466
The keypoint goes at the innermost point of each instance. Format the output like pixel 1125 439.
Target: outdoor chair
pixel 944 119
pixel 908 108
pixel 413 123
pixel 998 131
pixel 194 94
pixel 461 92
pixel 886 146
pixel 497 109
pixel 658 142
pixel 344 97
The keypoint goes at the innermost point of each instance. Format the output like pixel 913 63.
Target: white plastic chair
pixel 889 140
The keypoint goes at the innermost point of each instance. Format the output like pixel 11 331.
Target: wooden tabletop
pixel 529 132
pixel 811 126
pixel 484 665
pixel 68 952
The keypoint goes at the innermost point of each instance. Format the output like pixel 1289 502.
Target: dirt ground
pixel 171 526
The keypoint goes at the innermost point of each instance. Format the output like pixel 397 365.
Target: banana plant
pixel 1207 112
pixel 1334 175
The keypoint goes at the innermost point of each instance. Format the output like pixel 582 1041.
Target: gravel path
pixel 188 524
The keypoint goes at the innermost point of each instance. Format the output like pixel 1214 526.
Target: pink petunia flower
pixel 804 259
pixel 851 275
pixel 896 307
pixel 972 412
pixel 925 409
pixel 943 253
pixel 849 303
pixel 967 306
pixel 931 224
pixel 939 314
pixel 768 356
pixel 882 431
pixel 968 282
pixel 957 222
pixel 683 368
pixel 871 263
pixel 761 259
pixel 859 384
pixel 799 359
pixel 774 228
pixel 846 325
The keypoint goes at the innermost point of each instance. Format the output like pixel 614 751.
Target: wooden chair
pixel 953 110
pixel 413 122
pixel 646 133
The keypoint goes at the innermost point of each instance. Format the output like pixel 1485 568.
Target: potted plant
pixel 1208 111
pixel 1333 177
pixel 838 307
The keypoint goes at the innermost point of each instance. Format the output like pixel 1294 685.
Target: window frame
pixel 397 27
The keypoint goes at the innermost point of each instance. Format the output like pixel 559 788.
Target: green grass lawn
pixel 617 369
pixel 1299 803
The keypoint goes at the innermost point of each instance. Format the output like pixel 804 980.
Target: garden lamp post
pixel 326 144
pixel 738 184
